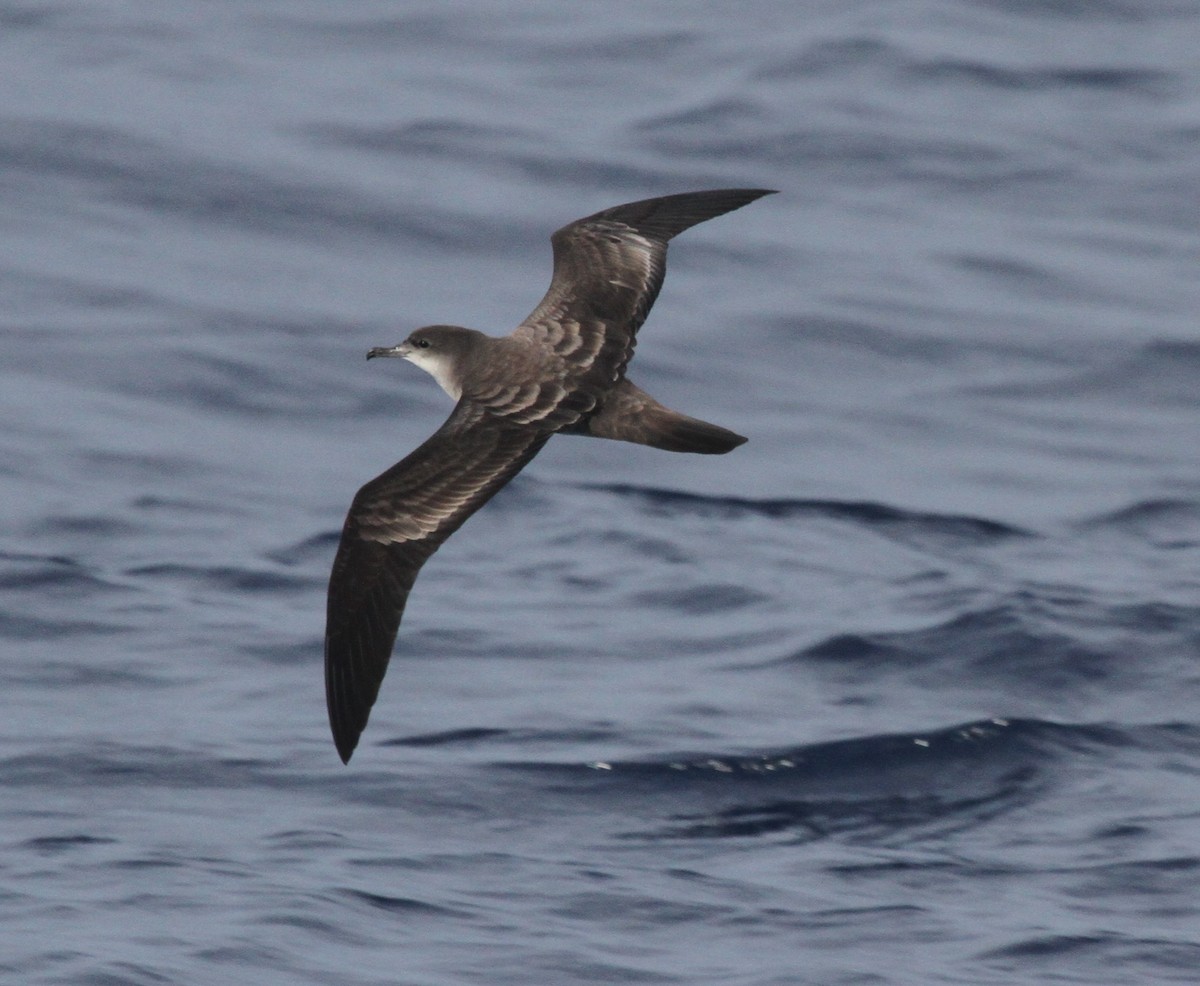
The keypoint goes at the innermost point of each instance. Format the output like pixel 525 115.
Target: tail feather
pixel 686 434
pixel 631 415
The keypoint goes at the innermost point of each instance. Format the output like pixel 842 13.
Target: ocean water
pixel 905 690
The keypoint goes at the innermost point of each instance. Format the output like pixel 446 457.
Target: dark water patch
pixel 698 122
pixel 231 386
pixel 440 137
pixel 1121 831
pixel 612 172
pixel 16 18
pixel 451 737
pixel 900 866
pixel 832 57
pixel 53 845
pixel 156 178
pixel 1165 372
pixel 1103 12
pixel 1110 81
pixel 630 911
pixel 408 906
pixel 874 788
pixel 123 974
pixel 840 759
pixel 959 165
pixel 659 549
pixel 1027 277
pixel 60 675
pixel 448 643
pixel 1169 882
pixel 875 516
pixel 1170 737
pixel 144 863
pixel 298 653
pixel 84 525
pixel 1098 958
pixel 248 955
pixel 305 839
pixel 130 466
pixel 567 965
pixel 1160 374
pixel 318 548
pixel 699 600
pixel 72 294
pixel 307 342
pixel 178 505
pixel 311 927
pixel 21 626
pixel 877 340
pixel 250 385
pixel 852 648
pixel 109 764
pixel 1157 620
pixel 1003 743
pixel 50 575
pixel 1041 947
pixel 480 734
pixel 1169 524
pixel 364 31
pixel 723 113
pixel 1009 642
pixel 875 820
pixel 1052 643
pixel 501 149
pixel 223 578
pixel 633 47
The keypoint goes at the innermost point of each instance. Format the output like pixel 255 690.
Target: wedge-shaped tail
pixel 630 414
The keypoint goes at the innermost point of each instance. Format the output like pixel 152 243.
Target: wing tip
pixel 345 747
pixel 666 216
pixel 347 713
pixel 345 733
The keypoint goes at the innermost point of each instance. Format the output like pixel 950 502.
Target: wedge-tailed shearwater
pixel 562 371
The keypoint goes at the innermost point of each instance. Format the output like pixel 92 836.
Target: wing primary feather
pixel 667 216
pixel 451 475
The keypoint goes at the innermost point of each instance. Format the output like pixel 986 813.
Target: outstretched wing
pixel 395 523
pixel 608 269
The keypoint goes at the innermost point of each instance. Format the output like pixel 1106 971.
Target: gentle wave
pixel 875 787
pixel 877 516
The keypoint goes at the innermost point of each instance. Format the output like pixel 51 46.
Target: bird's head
pixel 442 351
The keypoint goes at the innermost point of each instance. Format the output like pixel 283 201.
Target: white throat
pixel 437 365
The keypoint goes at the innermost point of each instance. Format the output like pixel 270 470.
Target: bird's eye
pixel 422 343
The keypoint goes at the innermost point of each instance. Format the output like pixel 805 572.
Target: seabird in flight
pixel 561 371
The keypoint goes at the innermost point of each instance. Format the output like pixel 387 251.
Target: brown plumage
pixel 562 370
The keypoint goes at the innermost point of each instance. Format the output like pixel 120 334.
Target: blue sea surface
pixel 904 691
